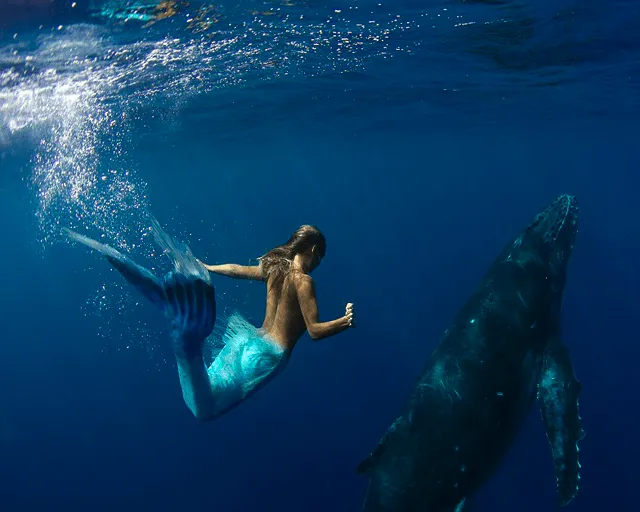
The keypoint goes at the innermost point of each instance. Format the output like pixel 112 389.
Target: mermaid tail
pixel 186 295
pixel 148 284
pixel 191 306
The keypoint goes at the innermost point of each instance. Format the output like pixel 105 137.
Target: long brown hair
pixel 277 262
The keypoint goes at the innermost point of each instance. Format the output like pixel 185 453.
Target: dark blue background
pixel 416 196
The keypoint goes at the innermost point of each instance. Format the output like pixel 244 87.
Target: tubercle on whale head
pixel 554 231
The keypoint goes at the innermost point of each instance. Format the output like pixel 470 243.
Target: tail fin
pixel 183 260
pixel 186 295
pixel 148 284
pixel 191 305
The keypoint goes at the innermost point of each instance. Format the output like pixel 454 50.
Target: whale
pixel 502 352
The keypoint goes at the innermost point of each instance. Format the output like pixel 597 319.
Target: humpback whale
pixel 502 350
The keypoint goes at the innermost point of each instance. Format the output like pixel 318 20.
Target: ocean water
pixel 419 136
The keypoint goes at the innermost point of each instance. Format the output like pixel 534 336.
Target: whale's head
pixel 552 234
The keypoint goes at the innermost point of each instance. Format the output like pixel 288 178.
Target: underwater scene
pixel 311 256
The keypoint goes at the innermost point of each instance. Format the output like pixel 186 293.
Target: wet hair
pixel 277 262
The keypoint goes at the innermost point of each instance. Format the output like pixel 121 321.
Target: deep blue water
pixel 419 136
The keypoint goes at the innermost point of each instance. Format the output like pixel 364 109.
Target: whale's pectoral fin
pixel 558 392
pixel 368 464
pixel 463 506
pixel 148 284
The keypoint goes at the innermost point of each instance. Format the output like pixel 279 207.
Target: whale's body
pixel 502 350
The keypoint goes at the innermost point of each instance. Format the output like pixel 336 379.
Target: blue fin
pixel 148 284
pixel 191 305
pixel 186 294
pixel 558 393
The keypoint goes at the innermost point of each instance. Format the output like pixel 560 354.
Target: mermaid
pixel 244 358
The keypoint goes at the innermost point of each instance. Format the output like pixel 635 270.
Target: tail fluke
pixel 148 284
pixel 183 261
pixel 186 294
pixel 191 305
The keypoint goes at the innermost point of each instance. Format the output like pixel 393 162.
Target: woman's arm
pixel 237 271
pixel 309 307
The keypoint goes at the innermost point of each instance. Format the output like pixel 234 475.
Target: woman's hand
pixel 350 315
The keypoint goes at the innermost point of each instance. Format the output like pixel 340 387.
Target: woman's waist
pixel 280 340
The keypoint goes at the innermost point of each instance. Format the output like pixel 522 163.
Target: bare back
pixel 291 308
pixel 284 320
